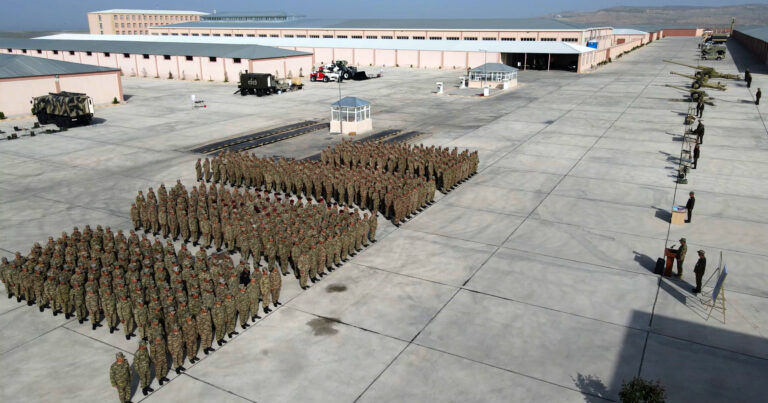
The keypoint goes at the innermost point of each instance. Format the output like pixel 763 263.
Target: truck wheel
pixel 346 75
pixel 63 122
pixel 42 117
pixel 259 93
pixel 251 91
pixel 326 79
pixel 312 78
pixel 243 92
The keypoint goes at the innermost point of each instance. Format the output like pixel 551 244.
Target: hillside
pixel 745 14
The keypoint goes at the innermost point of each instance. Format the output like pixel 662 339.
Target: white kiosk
pixel 493 75
pixel 351 115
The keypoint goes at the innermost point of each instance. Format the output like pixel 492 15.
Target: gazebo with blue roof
pixel 351 115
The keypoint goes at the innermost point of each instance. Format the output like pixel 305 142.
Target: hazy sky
pixel 70 14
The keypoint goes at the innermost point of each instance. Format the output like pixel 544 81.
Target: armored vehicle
pixel 256 83
pixel 63 108
pixel 713 52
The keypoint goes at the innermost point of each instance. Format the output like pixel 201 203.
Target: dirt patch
pixel 322 327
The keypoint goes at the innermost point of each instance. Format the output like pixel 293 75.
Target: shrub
pixel 115 101
pixel 638 390
pixel 226 77
pixel 2 115
pixel 170 75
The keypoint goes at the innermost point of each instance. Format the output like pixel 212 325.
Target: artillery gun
pixel 706 71
pixel 694 94
pixel 699 82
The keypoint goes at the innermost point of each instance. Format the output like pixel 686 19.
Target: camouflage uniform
pixel 141 363
pixel 176 348
pixel 158 352
pixel 120 378
pixel 205 329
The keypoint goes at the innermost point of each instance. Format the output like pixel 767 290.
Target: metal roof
pixel 12 66
pixel 755 32
pixel 494 67
pixel 131 11
pixel 480 24
pixel 350 102
pixel 253 14
pixel 628 31
pixel 99 43
pixel 553 47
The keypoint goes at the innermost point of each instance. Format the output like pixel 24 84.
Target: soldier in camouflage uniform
pixel 275 283
pixel 120 377
pixel 219 322
pixel 230 315
pixel 205 330
pixel 189 330
pixel 157 351
pixel 176 348
pixel 125 315
pixel 141 363
pixel 266 295
pixel 242 303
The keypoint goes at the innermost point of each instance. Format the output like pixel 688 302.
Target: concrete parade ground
pixel 533 281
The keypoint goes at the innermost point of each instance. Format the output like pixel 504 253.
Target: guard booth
pixel 493 75
pixel 351 115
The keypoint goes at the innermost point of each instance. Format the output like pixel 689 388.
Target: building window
pixel 188 58
pixel 274 36
pixel 106 54
pixel 402 37
pixel 489 38
pixel 99 17
pixel 341 36
pixel 548 39
pixel 452 38
pixel 508 39
pixel 101 26
pixel 146 56
pixel 195 34
pixel 435 38
pixel 71 52
pixel 88 54
pixel 418 37
pixel 184 34
pixel 301 36
pixel 240 35
pixel 211 59
pixel 126 55
pixel 570 39
pixel 371 37
pixel 236 60
pixel 327 36
pixel 527 39
pixel 386 37
pixel 164 34
pixel 122 25
pixel 55 52
pixel 25 51
pixel 251 35
pixel 166 57
pixel 39 51
pixel 206 34
pixel 470 38
pixel 216 34
pixel 311 36
pixel 357 37
pixel 288 36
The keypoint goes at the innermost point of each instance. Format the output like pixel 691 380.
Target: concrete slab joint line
pixel 553 241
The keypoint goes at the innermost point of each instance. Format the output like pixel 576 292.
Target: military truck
pixel 256 83
pixel 63 108
pixel 713 52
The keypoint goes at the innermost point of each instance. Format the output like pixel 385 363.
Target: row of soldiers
pixel 396 196
pixel 298 234
pixel 447 167
pixel 174 299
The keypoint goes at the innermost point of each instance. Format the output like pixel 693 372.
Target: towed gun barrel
pixel 706 71
pixel 695 93
pixel 699 82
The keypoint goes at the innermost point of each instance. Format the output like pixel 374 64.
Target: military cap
pixel 701 251
pixel 683 240
pixel 119 356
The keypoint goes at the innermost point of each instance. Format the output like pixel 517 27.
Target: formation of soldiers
pixel 447 167
pixel 395 180
pixel 180 302
pixel 306 237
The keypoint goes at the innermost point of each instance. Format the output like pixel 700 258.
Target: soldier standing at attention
pixel 219 322
pixel 189 330
pixel 689 206
pixel 696 155
pixel 275 283
pixel 748 78
pixel 757 96
pixel 141 364
pixel 205 330
pixel 120 377
pixel 158 354
pixel 176 348
pixel 699 269
pixel 681 251
pixel 207 169
pixel 699 132
pixel 199 169
pixel 700 108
